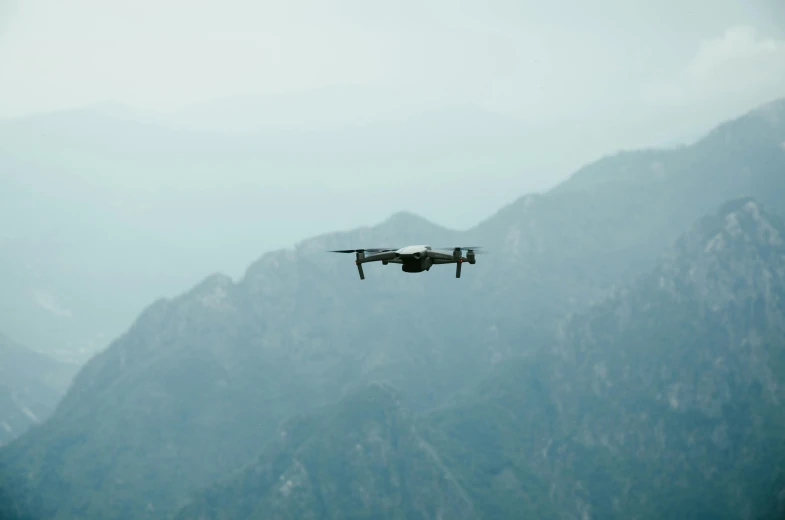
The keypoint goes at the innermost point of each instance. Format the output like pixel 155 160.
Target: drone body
pixel 413 259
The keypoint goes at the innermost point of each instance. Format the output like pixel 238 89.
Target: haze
pixel 202 134
pixel 178 338
pixel 540 60
pixel 660 69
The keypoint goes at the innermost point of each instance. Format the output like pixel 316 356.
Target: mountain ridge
pixel 602 425
pixel 651 403
pixel 300 331
pixel 62 176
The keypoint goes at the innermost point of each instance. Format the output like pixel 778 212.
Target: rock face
pixel 664 401
pixel 200 383
pixel 31 385
pixel 363 458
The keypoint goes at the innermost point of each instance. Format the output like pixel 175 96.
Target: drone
pixel 414 259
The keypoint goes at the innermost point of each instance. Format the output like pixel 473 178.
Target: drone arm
pixel 441 258
pixel 362 259
pixel 387 255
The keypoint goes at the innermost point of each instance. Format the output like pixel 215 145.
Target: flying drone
pixel 414 259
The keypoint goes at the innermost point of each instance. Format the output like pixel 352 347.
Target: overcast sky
pixel 588 78
pixel 569 80
pixel 532 58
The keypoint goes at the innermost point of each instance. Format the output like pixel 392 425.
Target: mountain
pixel 199 383
pixel 607 224
pixel 101 201
pixel 31 385
pixel 663 401
pixel 362 458
pixel 106 199
pixel 156 402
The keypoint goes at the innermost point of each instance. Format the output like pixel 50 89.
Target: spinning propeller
pixel 366 250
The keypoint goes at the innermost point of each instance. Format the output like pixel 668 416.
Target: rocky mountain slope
pixel 362 458
pixel 200 382
pixel 662 402
pixel 608 223
pixel 31 385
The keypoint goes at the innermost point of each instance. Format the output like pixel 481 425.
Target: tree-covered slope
pixel 608 223
pixel 662 402
pixel 362 458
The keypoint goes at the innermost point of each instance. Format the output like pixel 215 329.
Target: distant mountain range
pixel 31 385
pixel 105 200
pixel 520 388
pixel 108 199
pixel 661 402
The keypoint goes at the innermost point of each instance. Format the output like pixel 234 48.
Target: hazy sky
pixel 537 59
pixel 588 78
pixel 569 80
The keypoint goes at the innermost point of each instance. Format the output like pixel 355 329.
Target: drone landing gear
pixel 360 256
pixel 456 254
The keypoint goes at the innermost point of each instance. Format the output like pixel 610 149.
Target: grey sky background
pixel 535 59
pixel 583 78
pixel 146 144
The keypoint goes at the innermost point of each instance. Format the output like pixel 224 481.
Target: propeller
pixel 464 248
pixel 366 250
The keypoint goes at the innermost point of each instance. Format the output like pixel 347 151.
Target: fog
pixel 662 72
pixel 168 140
pixel 541 61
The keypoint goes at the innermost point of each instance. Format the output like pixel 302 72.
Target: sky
pixel 466 106
pixel 590 77
pixel 566 59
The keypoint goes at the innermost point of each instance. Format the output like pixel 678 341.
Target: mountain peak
pixel 215 281
pixel 739 220
pixel 724 260
pixel 412 228
pixel 761 128
pixel 406 219
pixel 737 204
pixel 773 111
pixel 399 229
